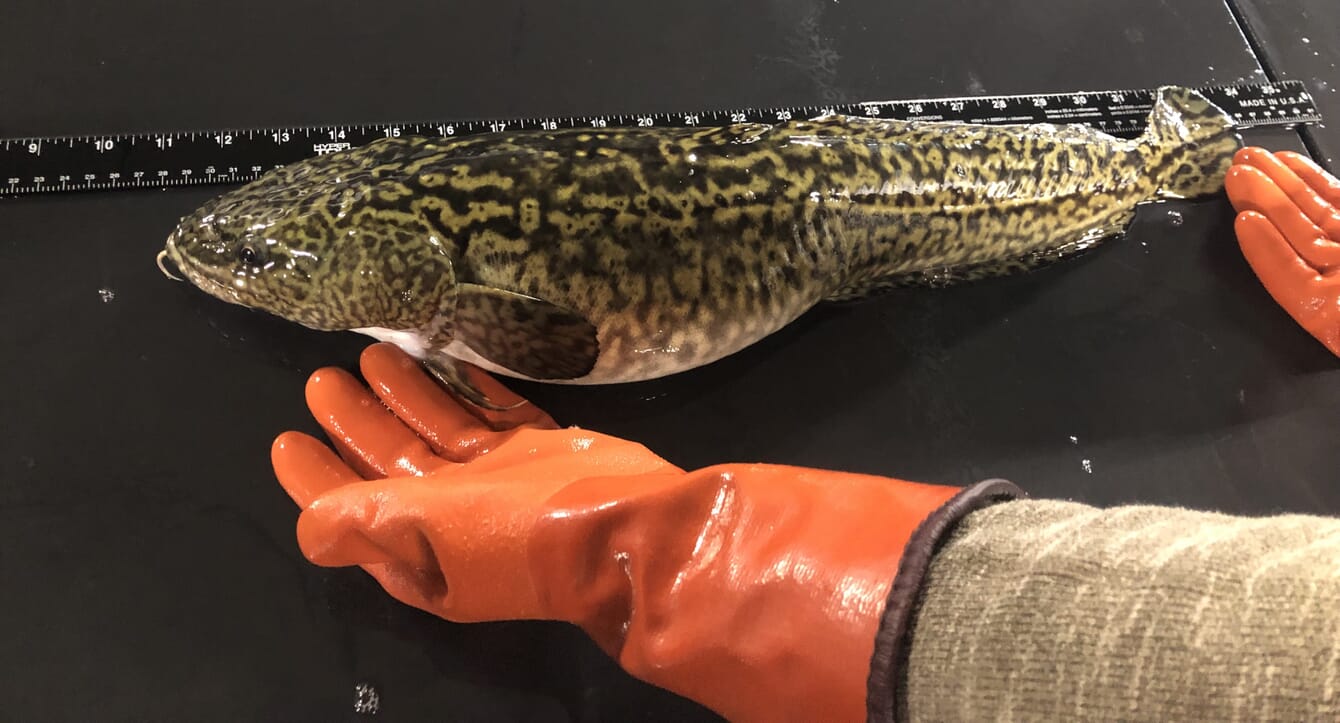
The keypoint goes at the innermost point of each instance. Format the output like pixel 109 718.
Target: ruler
pixel 232 156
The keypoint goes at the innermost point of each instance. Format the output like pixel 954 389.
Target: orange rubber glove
pixel 763 592
pixel 1289 229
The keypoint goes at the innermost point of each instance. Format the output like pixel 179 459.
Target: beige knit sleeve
pixel 1046 610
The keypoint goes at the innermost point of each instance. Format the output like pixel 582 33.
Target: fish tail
pixel 1191 143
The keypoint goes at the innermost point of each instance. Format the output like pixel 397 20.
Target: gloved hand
pixel 1289 229
pixel 758 591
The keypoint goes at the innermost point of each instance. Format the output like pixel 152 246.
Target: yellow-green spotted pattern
pixel 626 254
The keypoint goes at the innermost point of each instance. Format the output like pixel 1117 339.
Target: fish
pixel 604 256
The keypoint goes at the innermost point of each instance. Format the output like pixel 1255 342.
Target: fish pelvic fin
pixel 1191 143
pixel 450 373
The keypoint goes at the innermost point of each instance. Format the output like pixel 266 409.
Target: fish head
pixel 322 243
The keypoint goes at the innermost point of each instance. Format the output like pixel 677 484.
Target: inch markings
pixel 232 156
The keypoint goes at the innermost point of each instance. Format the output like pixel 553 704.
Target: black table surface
pixel 147 556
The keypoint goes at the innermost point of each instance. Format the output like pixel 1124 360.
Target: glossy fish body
pixel 626 254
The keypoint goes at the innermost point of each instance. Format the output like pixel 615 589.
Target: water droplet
pixel 1087 464
pixel 106 295
pixel 1175 218
pixel 366 699
pixel 975 86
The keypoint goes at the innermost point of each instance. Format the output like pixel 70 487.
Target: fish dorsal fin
pixel 529 336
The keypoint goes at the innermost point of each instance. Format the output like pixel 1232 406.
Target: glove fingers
pixel 367 434
pixel 458 549
pixel 1307 195
pixel 1270 254
pixel 1326 185
pixel 445 424
pixel 306 468
pixel 1308 297
pixel 1250 189
pixel 366 523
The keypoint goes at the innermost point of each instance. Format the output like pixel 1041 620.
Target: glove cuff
pixel 890 657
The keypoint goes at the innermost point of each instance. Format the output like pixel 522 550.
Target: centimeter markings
pixel 67 164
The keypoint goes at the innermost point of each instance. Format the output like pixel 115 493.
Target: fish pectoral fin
pixel 529 336
pixel 450 373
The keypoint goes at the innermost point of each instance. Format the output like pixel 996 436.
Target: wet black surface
pixel 147 555
pixel 1300 40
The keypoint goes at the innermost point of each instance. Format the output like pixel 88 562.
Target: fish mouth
pixel 197 274
pixel 165 254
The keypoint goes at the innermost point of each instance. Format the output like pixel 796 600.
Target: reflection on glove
pixel 756 590
pixel 1289 228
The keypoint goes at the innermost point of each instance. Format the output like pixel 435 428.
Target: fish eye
pixel 249 255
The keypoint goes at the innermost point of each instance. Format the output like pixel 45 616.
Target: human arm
pixel 777 593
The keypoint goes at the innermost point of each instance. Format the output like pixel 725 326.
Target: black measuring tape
pixel 163 160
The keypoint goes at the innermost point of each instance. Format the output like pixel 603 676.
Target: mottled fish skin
pixel 678 245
